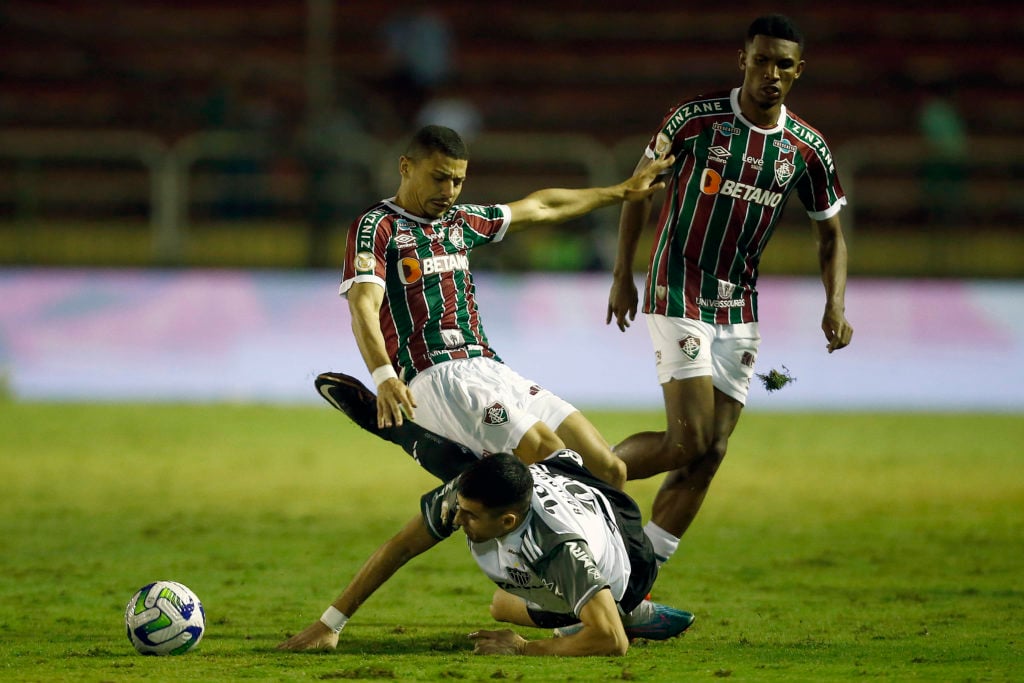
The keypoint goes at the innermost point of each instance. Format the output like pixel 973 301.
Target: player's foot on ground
pixel 654 621
pixel 351 397
pixel 650 620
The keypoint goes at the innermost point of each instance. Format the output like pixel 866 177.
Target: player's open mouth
pixel 771 90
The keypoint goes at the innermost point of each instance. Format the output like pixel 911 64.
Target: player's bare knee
pixel 616 473
pixel 684 448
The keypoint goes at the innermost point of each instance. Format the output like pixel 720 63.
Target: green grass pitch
pixel 831 547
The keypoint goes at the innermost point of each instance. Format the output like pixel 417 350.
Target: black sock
pixel 442 457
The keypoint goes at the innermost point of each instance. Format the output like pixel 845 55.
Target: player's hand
pixel 316 636
pixel 642 184
pixel 393 401
pixel 838 330
pixel 503 642
pixel 622 302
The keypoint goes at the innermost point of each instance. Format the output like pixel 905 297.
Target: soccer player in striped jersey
pixel 415 317
pixel 566 550
pixel 738 155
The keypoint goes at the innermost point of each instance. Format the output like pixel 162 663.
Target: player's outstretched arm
pixel 832 259
pixel 411 541
pixel 393 396
pixel 623 297
pixel 602 635
pixel 554 205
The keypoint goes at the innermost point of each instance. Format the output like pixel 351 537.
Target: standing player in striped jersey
pixel 738 156
pixel 415 318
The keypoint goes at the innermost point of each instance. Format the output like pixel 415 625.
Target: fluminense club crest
pixel 690 346
pixel 455 236
pixel 784 170
pixel 495 414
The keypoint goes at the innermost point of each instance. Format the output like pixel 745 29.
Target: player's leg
pixel 689 426
pixel 442 457
pixel 537 443
pixel 582 436
pixel 734 351
pixel 683 349
pixel 683 490
pixel 476 402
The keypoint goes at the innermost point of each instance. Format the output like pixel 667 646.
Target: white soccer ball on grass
pixel 164 618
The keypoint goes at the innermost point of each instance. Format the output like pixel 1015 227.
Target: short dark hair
pixel 498 482
pixel 776 26
pixel 430 139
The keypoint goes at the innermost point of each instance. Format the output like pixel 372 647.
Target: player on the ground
pixel 738 155
pixel 566 550
pixel 415 317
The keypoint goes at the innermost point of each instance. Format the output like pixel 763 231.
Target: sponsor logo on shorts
pixel 534 390
pixel 690 346
pixel 495 414
pixel 747 359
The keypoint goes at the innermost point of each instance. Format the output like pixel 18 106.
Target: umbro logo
pixel 718 153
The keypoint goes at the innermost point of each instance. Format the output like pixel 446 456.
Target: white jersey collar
pixel 734 99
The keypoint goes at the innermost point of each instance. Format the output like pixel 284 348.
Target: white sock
pixel 665 544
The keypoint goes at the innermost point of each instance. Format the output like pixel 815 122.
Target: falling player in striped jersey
pixel 415 318
pixel 566 550
pixel 738 155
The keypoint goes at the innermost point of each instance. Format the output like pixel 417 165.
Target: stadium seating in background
pixel 605 71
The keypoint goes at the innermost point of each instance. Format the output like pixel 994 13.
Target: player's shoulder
pixel 702 104
pixel 484 211
pixel 375 215
pixel 804 131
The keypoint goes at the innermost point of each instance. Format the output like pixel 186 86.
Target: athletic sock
pixel 443 458
pixel 665 544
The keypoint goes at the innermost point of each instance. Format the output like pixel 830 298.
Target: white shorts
pixel 685 348
pixel 483 404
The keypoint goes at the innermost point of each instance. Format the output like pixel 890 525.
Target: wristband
pixel 383 374
pixel 334 619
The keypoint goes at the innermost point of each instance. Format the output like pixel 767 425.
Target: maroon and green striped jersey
pixel 725 194
pixel 429 313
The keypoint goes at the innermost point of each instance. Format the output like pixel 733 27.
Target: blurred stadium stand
pixel 232 133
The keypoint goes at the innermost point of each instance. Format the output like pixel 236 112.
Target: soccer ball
pixel 164 618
